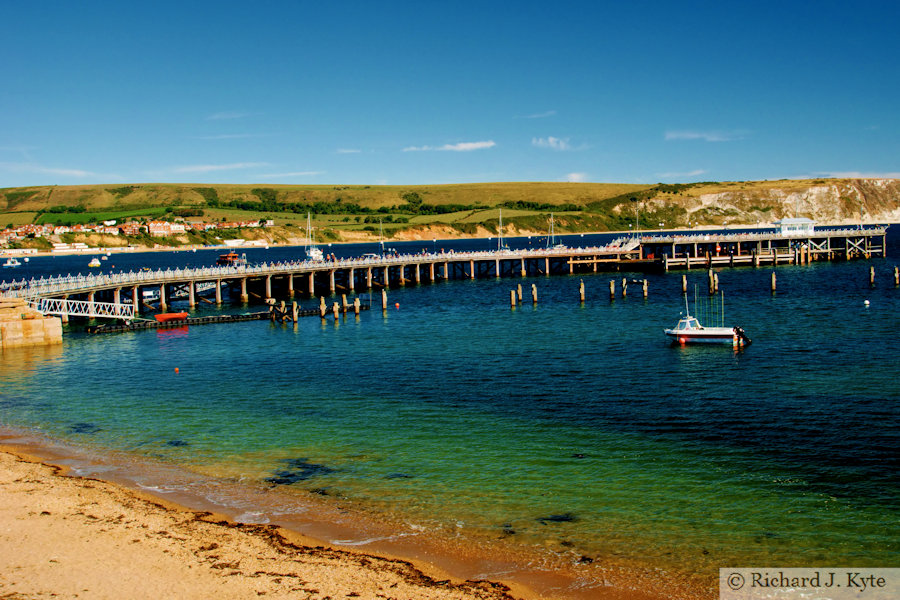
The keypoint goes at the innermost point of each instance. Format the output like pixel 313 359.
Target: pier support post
pixel 534 293
pixel 523 267
pixel 117 295
pixel 519 292
pixel 646 288
pixel 218 292
pixel 386 277
pixel 294 311
pixel 369 278
pixel 512 298
pixel 64 318
pixel 268 286
pixel 418 274
pixel 331 287
pixel 192 300
pixel 773 282
pixel 402 275
pixel 311 283
pixel 472 269
pixel 612 289
pixel 245 297
pixel 431 272
pixel 497 267
pixel 547 266
pixel 322 308
pixel 290 283
pixel 351 275
pixel 383 300
pixel 447 271
pixel 135 300
pixel 581 292
pixel 163 306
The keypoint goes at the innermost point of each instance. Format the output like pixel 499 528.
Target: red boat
pixel 232 259
pixel 166 317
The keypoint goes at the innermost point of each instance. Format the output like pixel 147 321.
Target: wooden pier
pixel 659 252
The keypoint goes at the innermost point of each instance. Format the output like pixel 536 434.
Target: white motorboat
pixel 312 252
pixel 688 330
pixel 13 262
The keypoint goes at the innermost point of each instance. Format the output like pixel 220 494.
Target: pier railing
pixel 85 283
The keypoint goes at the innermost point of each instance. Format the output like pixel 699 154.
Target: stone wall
pixel 23 326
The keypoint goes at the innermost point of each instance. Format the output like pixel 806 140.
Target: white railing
pixel 62 284
pixel 78 308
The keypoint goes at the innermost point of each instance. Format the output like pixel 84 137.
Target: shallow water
pixel 557 422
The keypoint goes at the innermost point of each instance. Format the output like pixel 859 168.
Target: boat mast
pixel 500 232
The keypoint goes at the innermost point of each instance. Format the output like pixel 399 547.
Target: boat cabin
pixel 688 322
pixel 796 226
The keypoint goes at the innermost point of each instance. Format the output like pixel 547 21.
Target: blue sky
pixel 407 93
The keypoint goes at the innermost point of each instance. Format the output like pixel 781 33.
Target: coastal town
pixel 11 238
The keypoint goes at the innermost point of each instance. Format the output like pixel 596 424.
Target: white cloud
pixel 229 136
pixel 706 136
pixel 348 151
pixel 460 147
pixel 293 174
pixel 671 174
pixel 543 115
pixel 576 177
pixel 211 168
pixel 227 115
pixel 33 168
pixel 552 143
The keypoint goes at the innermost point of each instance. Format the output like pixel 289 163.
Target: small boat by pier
pixel 95 262
pixel 166 317
pixel 13 262
pixel 232 259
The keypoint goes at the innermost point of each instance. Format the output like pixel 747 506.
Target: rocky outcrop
pixel 828 202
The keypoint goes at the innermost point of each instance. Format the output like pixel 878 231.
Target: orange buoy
pixel 176 370
pixel 397 305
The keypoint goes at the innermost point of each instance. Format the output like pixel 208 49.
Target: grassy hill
pixel 353 212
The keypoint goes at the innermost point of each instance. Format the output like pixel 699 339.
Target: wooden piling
pixel 684 284
pixel 322 308
pixel 344 304
pixel 512 298
pixel 715 282
pixel 896 276
pixel 294 311
pixel 534 293
pixel 871 276
pixel 646 288
pixel 624 288
pixel 581 292
pixel 383 300
pixel 356 306
pixel 519 292
pixel 773 281
pixel 336 309
pixel 612 289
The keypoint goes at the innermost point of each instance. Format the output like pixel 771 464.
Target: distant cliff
pixel 825 201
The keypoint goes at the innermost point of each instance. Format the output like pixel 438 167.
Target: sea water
pixel 555 422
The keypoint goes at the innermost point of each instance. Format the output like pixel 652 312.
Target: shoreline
pixel 259 244
pixel 451 564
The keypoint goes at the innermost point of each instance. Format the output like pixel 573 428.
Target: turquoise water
pixel 559 421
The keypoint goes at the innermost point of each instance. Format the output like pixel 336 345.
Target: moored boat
pixel 12 262
pixel 95 262
pixel 688 330
pixel 232 259
pixel 166 317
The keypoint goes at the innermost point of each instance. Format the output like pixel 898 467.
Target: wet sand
pixel 70 536
pixel 76 537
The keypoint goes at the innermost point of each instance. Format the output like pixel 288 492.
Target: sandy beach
pixel 73 537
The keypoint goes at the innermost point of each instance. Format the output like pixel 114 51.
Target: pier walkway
pixel 155 289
